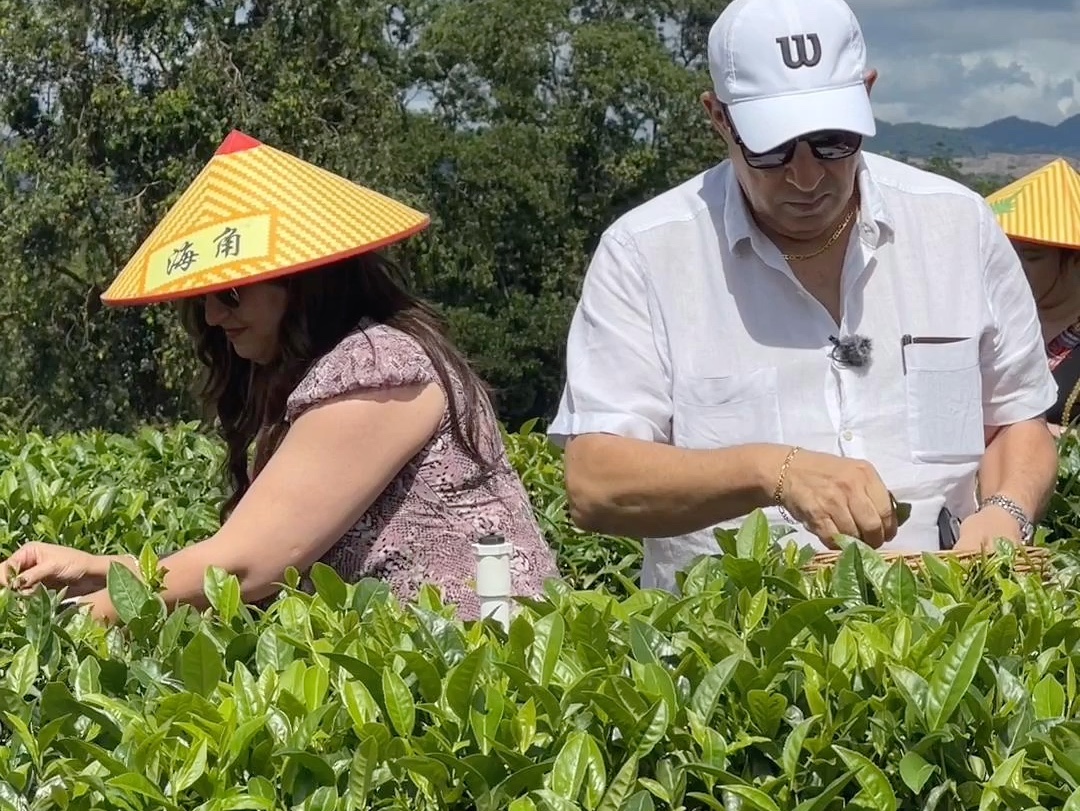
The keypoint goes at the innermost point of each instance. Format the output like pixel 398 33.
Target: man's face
pixel 804 197
pixel 801 199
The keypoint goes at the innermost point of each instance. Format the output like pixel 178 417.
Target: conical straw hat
pixel 1043 206
pixel 254 213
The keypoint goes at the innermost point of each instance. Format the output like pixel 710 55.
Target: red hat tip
pixel 236 141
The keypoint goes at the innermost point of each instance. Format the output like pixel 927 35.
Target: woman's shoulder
pixel 373 356
pixel 372 340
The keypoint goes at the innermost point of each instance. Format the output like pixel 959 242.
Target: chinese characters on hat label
pixel 185 260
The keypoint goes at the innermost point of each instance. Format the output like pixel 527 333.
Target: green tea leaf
pixel 25 736
pixel 793 746
pixel 776 638
pixel 201 665
pixel 485 722
pixel 900 590
pixel 870 777
pixel 639 801
pixel 708 692
pixel 1009 774
pixel 620 787
pixel 399 702
pixel 753 539
pixel 903 512
pixel 361 772
pixel 744 573
pixel 462 680
pixel 848 576
pixel 39 619
pixel 1049 699
pixel 329 585
pixel 546 647
pixel 127 592
pixel 1002 635
pixel 824 800
pixel 756 798
pixel 578 761
pixel 137 784
pixel 766 710
pixel 652 728
pixel 193 768
pixel 755 611
pixel 324 798
pixel 222 589
pixel 953 675
pixel 553 801
pixel 23 670
pixel 915 771
pixel 272 652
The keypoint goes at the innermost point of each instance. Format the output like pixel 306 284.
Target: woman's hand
pixel 54 567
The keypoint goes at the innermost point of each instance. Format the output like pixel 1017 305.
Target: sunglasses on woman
pixel 230 298
pixel 825 145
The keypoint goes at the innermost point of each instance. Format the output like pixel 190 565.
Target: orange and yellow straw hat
pixel 1043 206
pixel 252 214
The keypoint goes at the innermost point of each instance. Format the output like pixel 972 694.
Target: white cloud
pixel 968 62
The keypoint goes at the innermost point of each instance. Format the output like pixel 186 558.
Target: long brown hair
pixel 324 306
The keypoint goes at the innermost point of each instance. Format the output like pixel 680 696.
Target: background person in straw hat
pixel 1054 274
pixel 1041 214
pixel 803 328
pixel 376 448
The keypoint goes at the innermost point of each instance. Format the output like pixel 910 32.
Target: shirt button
pixel 847 436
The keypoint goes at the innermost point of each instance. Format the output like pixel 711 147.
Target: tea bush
pixel 111 493
pixel 761 686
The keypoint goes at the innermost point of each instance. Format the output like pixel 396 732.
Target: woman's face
pixel 251 317
pixel 1042 265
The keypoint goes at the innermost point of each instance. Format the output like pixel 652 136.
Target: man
pixel 805 328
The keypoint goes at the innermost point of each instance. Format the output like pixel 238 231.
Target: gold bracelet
pixel 778 493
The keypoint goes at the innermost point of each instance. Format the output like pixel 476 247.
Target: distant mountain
pixel 1010 136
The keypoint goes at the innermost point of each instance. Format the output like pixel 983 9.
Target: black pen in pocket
pixel 908 340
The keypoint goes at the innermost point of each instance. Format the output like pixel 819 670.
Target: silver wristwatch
pixel 1027 528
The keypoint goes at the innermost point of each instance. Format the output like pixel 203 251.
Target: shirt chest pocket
pixel 944 400
pixel 724 411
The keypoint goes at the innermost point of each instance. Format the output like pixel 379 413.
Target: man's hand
pixel 830 495
pixel 980 530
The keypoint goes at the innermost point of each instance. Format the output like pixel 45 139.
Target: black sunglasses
pixel 826 145
pixel 230 298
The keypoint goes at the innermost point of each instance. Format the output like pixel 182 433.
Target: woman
pixel 376 449
pixel 1054 275
pixel 1040 212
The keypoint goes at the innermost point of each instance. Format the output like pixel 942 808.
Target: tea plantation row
pixel 762 686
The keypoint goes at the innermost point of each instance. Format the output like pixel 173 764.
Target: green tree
pixel 524 129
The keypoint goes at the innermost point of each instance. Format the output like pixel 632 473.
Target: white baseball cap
pixel 785 68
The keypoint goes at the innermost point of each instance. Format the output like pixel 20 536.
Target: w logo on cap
pixel 798 42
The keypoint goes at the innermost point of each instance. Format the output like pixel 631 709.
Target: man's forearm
pixel 629 487
pixel 1021 464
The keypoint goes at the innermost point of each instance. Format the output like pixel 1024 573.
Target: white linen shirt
pixel 692 330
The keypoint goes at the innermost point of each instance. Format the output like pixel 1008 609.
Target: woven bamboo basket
pixel 1027 560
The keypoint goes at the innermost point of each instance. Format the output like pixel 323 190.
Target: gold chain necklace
pixel 791 257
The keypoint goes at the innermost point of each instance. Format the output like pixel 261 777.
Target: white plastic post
pixel 493 585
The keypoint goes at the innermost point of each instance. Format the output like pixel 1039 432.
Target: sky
pixel 964 63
